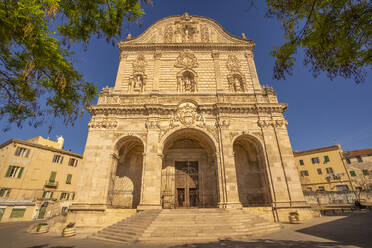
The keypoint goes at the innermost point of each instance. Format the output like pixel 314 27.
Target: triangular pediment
pixel 186 29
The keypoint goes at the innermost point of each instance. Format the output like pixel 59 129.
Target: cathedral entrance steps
pixel 186 225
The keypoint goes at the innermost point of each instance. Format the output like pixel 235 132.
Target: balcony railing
pixel 50 184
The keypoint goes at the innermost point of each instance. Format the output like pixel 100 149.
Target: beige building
pixel 323 169
pixel 37 178
pixel 359 165
pixel 187 125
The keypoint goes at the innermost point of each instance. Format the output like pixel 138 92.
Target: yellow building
pixel 323 169
pixel 37 178
pixel 359 165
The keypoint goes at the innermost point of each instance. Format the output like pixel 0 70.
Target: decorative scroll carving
pixel 137 81
pixel 103 124
pixel 235 78
pixel 204 33
pixel 233 64
pixel 272 123
pixel 186 60
pixel 168 34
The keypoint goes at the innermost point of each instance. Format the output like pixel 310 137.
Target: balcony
pixel 50 184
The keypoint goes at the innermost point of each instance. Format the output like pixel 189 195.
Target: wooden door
pixel 187 184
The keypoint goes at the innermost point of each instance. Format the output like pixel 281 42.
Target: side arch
pixel 251 170
pixel 125 190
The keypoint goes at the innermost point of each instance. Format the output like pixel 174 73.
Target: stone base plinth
pixel 142 207
pixel 93 220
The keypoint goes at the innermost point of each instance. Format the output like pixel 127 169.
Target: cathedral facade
pixel 188 125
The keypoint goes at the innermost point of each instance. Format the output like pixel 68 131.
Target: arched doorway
pixel 253 186
pixel 126 182
pixel 189 171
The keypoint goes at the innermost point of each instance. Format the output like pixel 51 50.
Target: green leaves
pixel 37 77
pixel 335 34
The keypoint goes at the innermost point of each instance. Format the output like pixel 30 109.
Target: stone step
pixel 186 225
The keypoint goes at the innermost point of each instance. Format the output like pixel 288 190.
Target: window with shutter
pixel 52 177
pixel 68 179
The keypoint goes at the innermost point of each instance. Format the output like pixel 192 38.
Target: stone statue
pixel 138 83
pixel 188 82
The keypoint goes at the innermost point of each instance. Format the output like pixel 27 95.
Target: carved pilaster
pixel 217 71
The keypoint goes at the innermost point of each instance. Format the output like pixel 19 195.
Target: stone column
pixel 216 62
pixel 155 86
pixel 97 168
pixel 231 183
pixel 151 176
pixel 221 184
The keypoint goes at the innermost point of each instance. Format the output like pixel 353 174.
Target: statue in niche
pixel 204 33
pixel 138 83
pixel 188 83
pixel 236 83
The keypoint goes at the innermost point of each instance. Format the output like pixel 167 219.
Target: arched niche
pixel 187 81
pixel 236 83
pixel 125 191
pixel 189 170
pixel 252 180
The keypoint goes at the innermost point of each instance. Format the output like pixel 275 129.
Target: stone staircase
pixel 186 225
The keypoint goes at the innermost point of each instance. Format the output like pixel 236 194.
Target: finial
pixel 129 36
pixel 243 36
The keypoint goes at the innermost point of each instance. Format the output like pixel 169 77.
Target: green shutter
pixel 68 180
pixel 326 159
pixel 20 172
pixel 73 196
pixel 8 171
pixel 352 173
pixel 68 196
pixel 17 213
pixel 51 195
pixel 52 177
pixel 44 193
pixel 365 172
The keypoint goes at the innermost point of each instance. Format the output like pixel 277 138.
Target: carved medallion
pixel 186 60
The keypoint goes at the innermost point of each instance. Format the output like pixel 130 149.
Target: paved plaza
pixel 335 231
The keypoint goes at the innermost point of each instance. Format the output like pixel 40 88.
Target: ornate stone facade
pixel 188 124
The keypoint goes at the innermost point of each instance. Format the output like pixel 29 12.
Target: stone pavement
pixel 336 231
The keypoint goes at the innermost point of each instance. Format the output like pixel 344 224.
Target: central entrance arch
pixel 189 170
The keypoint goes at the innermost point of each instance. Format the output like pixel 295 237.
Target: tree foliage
pixel 37 77
pixel 336 36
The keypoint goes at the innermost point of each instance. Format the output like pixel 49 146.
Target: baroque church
pixel 187 125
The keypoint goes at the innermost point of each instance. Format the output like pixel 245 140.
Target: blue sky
pixel 320 112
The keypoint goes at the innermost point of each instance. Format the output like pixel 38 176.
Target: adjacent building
pixel 323 169
pixel 37 178
pixel 359 165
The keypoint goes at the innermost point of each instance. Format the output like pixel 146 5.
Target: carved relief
pixel 204 33
pixel 272 123
pixel 185 28
pixel 103 123
pixel 137 81
pixel 233 64
pixel 168 34
pixel 151 124
pixel 235 78
pixel 186 60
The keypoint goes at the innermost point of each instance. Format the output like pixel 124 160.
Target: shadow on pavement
pixel 355 230
pixel 260 243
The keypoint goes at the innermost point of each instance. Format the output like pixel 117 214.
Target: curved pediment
pixel 186 29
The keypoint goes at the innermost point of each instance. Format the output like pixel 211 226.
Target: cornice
pixel 181 46
pixel 163 109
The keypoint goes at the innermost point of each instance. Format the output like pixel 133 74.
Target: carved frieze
pixel 168 34
pixel 272 123
pixel 233 64
pixel 186 28
pixel 106 123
